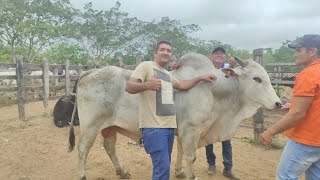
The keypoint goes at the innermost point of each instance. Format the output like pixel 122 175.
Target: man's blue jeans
pixel 158 143
pixel 226 154
pixel 297 159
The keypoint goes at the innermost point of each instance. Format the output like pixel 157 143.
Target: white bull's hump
pixel 193 65
pixel 194 60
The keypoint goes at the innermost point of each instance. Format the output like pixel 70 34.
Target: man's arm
pixel 296 114
pixel 134 86
pixel 232 62
pixel 188 84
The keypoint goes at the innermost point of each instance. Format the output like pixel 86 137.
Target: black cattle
pixel 62 112
pixel 63 109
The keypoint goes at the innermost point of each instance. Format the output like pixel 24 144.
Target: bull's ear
pixel 232 72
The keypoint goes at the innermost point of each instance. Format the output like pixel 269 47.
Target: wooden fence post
pixel 119 62
pixel 20 81
pixel 258 119
pixel 45 80
pixel 56 73
pixel 138 59
pixel 67 76
pixel 80 71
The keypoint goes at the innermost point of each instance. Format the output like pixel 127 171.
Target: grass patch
pixel 249 140
pixel 47 114
pixel 275 143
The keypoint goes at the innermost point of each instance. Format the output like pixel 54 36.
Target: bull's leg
pixel 110 138
pixel 178 167
pixel 86 141
pixel 189 142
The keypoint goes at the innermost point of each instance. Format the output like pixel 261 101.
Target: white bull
pixel 205 114
pixel 8 72
pixel 38 73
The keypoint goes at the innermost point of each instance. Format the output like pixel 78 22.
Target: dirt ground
pixel 36 149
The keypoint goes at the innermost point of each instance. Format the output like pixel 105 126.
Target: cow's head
pixel 254 83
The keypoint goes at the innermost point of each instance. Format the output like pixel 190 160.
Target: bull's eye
pixel 257 79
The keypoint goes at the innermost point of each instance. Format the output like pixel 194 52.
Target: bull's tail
pixel 71 132
pixel 72 142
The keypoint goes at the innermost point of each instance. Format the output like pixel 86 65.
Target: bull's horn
pixel 240 62
pixel 72 94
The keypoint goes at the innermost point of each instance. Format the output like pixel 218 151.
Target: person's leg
pixel 313 172
pixel 156 144
pixel 211 157
pixel 296 159
pixel 227 160
pixel 227 154
pixel 155 157
pixel 170 142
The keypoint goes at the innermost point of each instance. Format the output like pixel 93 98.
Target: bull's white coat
pixel 207 113
pixel 8 72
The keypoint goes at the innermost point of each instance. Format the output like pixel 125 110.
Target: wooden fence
pixel 49 83
pixel 22 78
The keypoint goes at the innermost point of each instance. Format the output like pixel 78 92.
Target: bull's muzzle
pixel 278 104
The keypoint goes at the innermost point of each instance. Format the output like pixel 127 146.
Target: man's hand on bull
pixel 153 84
pixel 208 78
pixel 232 62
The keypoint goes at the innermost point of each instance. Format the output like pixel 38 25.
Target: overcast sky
pixel 245 24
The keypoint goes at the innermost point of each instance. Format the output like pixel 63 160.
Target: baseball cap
pixel 218 49
pixel 308 40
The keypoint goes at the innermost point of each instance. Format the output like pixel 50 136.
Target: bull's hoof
pixel 180 175
pixel 83 178
pixel 124 174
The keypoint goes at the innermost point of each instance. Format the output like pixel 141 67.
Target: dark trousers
pixel 226 154
pixel 158 143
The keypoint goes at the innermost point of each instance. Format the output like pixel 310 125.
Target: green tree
pixel 46 24
pixel 60 52
pixel 284 54
pixel 206 48
pixel 5 55
pixel 33 24
pixel 13 13
pixel 166 29
pixel 102 33
pixel 243 54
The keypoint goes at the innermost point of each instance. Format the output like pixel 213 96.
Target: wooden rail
pixel 45 85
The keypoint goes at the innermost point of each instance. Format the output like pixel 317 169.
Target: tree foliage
pixel 56 30
pixel 33 24
pixel 102 33
pixel 60 52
